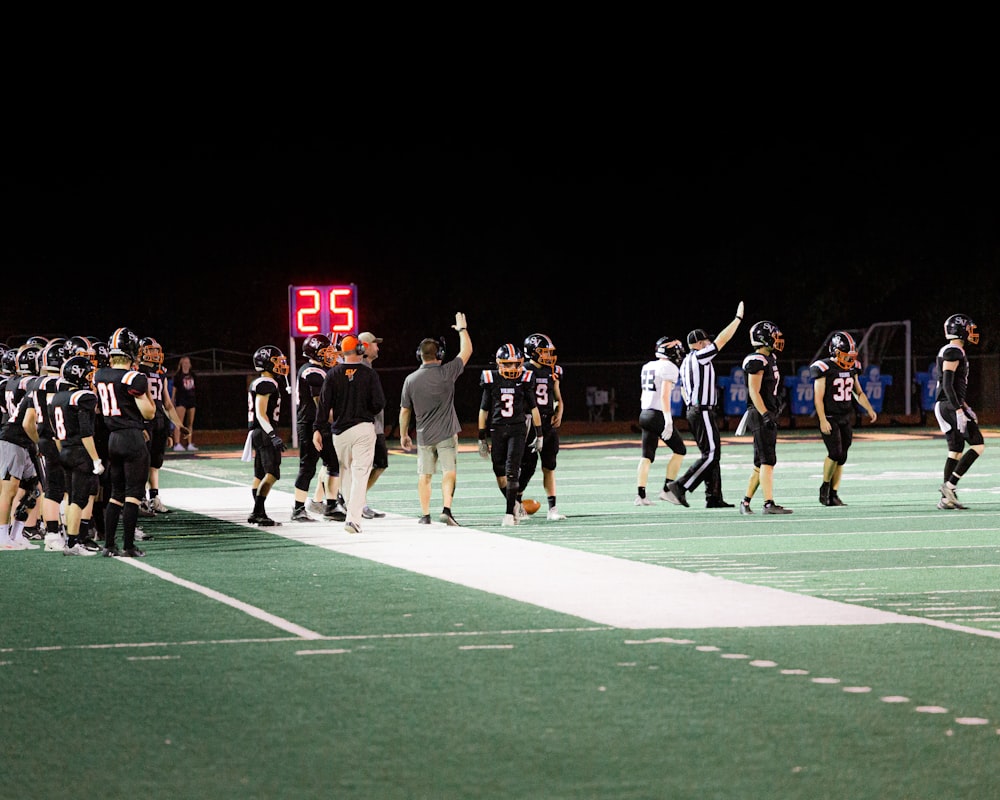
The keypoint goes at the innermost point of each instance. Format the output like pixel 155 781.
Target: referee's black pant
pixel 705 429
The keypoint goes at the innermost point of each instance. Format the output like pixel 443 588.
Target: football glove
pixel 536 446
pixel 769 422
pixel 98 467
pixel 276 441
pixel 970 414
pixel 668 431
pixel 484 448
pixel 963 421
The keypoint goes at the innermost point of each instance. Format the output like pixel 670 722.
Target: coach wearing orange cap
pixel 349 401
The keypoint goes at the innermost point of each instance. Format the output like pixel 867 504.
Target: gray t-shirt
pixel 380 416
pixel 430 394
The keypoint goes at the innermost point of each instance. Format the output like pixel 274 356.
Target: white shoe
pixel 554 515
pixel 178 448
pixel 145 509
pixel 519 512
pixel 6 543
pixel 642 501
pixel 78 550
pixel 191 447
pixel 54 542
pixel 20 543
pixel 508 521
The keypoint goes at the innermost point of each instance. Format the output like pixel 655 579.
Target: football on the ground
pixel 531 506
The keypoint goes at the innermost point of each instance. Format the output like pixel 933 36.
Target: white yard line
pixel 602 589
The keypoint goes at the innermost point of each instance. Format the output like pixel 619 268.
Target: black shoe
pixel 337 512
pixel 835 500
pixel 301 515
pixel 448 519
pixel 132 552
pixel 34 534
pixel 718 502
pixel 774 508
pixel 424 520
pixel 372 513
pixel 824 494
pixel 745 507
pixel 111 552
pixel 88 543
pixel 263 520
pixel 676 494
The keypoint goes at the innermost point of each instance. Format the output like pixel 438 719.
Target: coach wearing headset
pixel 428 397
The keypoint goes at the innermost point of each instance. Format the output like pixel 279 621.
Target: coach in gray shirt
pixel 429 398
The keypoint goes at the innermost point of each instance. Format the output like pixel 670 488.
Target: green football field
pixel 625 652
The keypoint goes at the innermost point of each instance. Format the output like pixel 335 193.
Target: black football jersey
pixel 543 382
pixel 267 387
pixel 838 400
pixel 13 430
pixel 768 367
pixel 509 400
pixel 157 390
pixel 952 352
pixel 73 413
pixel 117 389
pixel 309 385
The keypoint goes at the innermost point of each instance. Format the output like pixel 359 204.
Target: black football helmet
pixel 27 359
pixel 270 359
pixel 102 354
pixel 123 342
pixel 37 341
pixel 959 326
pixel 671 349
pixel 78 370
pixel 510 362
pixel 150 352
pixel 9 363
pixel 539 348
pixel 767 334
pixel 319 348
pixel 77 346
pixel 52 356
pixel 843 350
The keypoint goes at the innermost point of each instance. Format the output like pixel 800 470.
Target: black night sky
pixel 605 240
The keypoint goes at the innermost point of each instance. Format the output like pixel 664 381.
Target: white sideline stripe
pixel 603 589
pixel 246 608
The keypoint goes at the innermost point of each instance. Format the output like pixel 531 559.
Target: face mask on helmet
pixel 843 350
pixel 510 362
pixel 150 352
pixel 959 326
pixel 670 349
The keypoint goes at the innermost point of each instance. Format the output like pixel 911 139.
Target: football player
pixel 263 414
pixel 835 390
pixel 320 355
pixel 957 420
pixel 763 380
pixel 150 364
pixel 73 411
pixel 657 379
pixel 19 451
pixel 547 382
pixel 127 406
pixel 508 398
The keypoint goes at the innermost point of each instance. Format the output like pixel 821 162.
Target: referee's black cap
pixel 697 335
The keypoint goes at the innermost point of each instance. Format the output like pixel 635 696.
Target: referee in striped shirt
pixel 698 388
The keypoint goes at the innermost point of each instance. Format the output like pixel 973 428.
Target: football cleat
pixel 745 509
pixel 642 501
pixel 554 515
pixel 774 508
pixel 301 515
pixel 508 521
